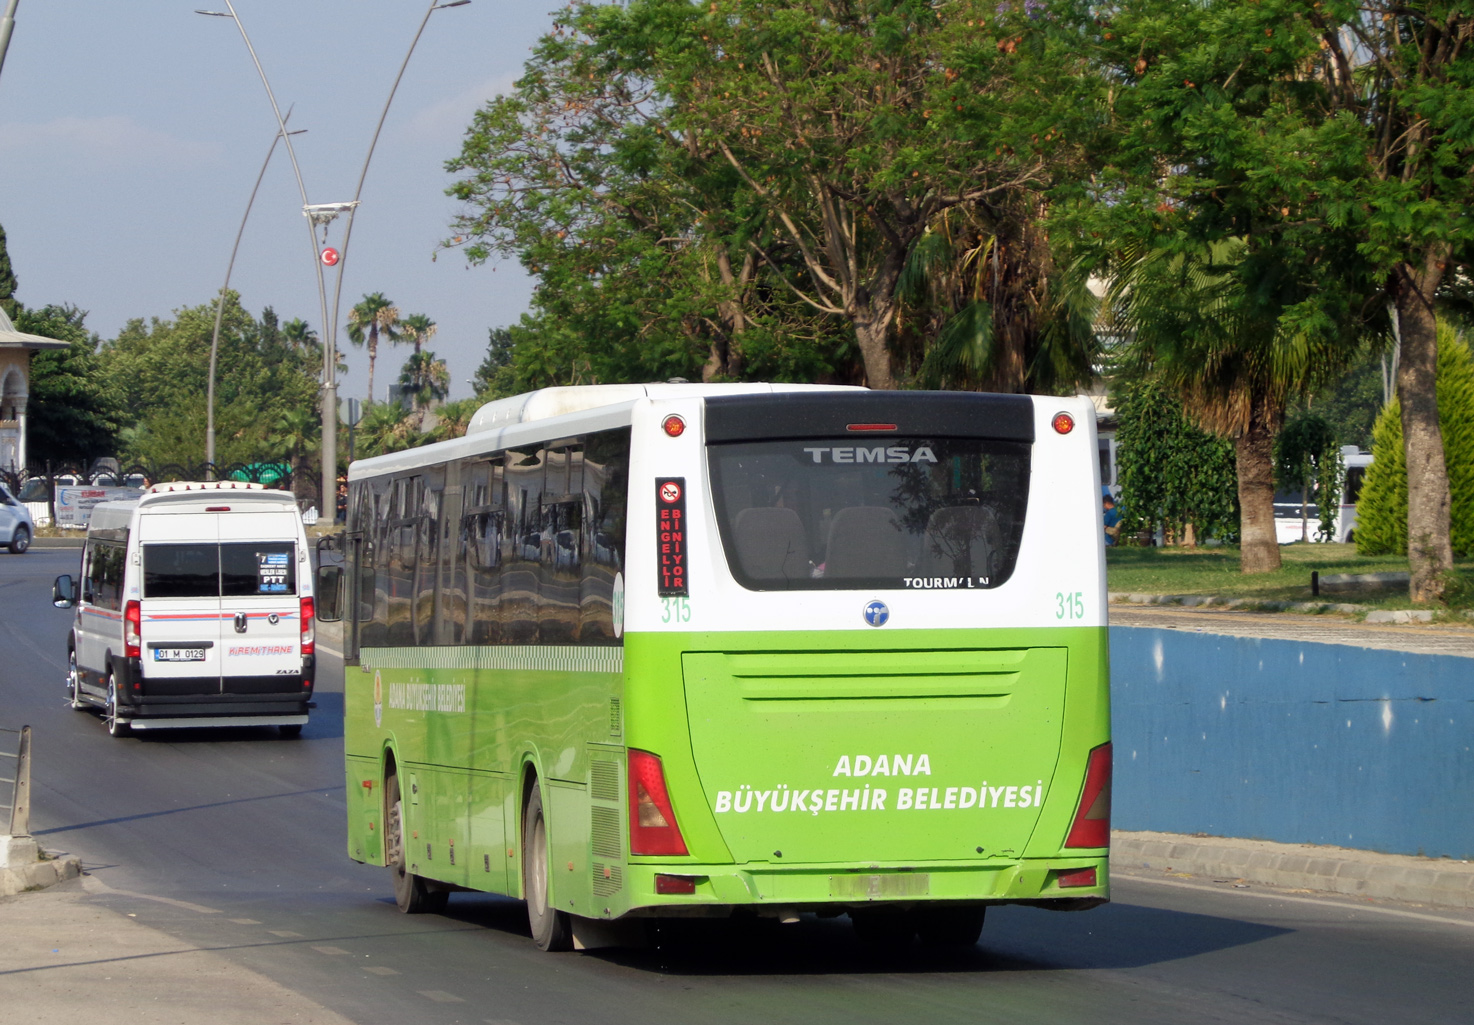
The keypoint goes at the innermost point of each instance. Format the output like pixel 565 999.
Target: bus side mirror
pixel 329 592
pixel 64 592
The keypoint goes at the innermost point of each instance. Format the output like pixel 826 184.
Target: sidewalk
pixel 1353 873
pixel 69 961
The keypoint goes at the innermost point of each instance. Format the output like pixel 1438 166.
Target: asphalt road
pixel 233 840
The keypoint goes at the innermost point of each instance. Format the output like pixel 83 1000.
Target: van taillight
pixel 1092 825
pixel 132 630
pixel 309 633
pixel 653 828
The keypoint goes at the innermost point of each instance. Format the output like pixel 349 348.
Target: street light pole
pixel 327 502
pixel 435 5
pixel 7 26
pixel 220 303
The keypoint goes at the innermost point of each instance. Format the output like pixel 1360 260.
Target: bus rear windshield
pixel 841 514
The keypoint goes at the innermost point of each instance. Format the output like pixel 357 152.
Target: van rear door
pixel 261 629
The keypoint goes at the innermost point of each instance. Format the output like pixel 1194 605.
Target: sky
pixel 132 131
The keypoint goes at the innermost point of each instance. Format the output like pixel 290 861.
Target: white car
pixel 16 527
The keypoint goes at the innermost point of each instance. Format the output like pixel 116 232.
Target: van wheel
pixel 20 540
pixel 411 893
pixel 115 728
pixel 550 927
pixel 74 681
pixel 950 926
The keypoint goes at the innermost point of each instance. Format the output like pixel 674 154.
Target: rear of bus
pixel 865 655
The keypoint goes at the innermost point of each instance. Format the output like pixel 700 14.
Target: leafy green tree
pixel 1381 509
pixel 1209 321
pixel 72 417
pixel 1173 475
pixel 496 365
pixel 369 320
pixel 8 282
pixel 157 373
pixel 736 188
pixel 1307 458
pixel 1334 137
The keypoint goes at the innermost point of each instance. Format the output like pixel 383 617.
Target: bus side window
pixel 605 495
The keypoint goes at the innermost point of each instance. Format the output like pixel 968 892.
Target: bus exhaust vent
pixel 603 780
pixel 608 880
pixel 616 718
pixel 604 838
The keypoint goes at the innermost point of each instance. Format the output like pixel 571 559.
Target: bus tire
pixel 411 893
pixel 551 929
pixel 950 926
pixel 290 730
pixel 115 727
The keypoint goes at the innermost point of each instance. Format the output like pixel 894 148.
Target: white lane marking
pixel 380 969
pixel 330 649
pixel 1334 900
pixel 285 934
pixel 245 921
pixel 331 951
pixel 96 885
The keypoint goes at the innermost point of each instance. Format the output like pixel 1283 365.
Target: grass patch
pixel 1215 571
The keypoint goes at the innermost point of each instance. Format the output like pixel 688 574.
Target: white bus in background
pixel 1291 525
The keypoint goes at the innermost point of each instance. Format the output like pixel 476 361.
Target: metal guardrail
pixel 20 791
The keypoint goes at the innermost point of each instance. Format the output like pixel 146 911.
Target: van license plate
pixel 179 654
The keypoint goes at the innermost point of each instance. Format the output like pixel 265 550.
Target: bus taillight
pixel 653 828
pixel 132 630
pixel 1092 825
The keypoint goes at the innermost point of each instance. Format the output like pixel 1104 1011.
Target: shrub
pixel 1381 511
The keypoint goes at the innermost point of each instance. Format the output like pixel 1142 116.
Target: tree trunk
pixel 1259 550
pixel 1429 549
pixel 872 312
pixel 373 348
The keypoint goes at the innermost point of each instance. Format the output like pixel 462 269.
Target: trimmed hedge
pixel 1381 511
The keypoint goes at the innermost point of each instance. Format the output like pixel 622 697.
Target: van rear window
pixel 181 571
pixel 231 570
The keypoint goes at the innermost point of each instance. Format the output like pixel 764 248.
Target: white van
pixel 194 608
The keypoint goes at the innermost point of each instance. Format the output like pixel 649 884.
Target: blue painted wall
pixel 1293 741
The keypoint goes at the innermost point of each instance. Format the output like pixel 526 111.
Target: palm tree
pixel 385 427
pixel 1216 324
pixel 424 379
pixel 420 329
pixel 304 341
pixel 367 321
pixel 293 435
pixel 453 418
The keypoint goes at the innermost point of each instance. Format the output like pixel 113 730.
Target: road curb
pixel 1340 870
pixel 58 542
pixel 37 876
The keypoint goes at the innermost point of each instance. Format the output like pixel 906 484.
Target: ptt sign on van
pixel 193 608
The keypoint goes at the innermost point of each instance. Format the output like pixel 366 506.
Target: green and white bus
pixel 631 651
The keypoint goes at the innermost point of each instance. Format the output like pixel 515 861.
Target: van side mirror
pixel 329 592
pixel 64 592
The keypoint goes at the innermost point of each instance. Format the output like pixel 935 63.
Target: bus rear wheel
pixel 551 929
pixel 411 893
